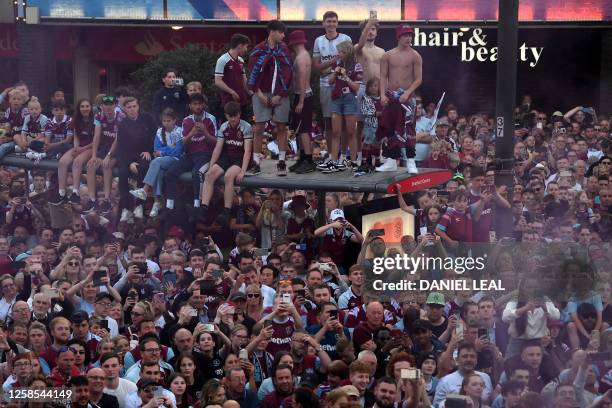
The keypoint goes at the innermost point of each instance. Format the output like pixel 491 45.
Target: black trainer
pixel 306 167
pixel 74 198
pixel 296 165
pixel 104 207
pixel 332 167
pixel 281 168
pixel 89 207
pixel 254 169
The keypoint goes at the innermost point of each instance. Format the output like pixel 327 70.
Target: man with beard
pixel 384 393
pixel 283 387
pixel 80 393
pixel 466 362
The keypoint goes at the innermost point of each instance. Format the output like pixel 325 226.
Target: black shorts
pixel 302 122
pixel 225 162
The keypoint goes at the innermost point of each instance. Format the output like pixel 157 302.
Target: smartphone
pixel 267 323
pixel 142 268
pixel 333 314
pixel 217 273
pixel 286 298
pixel 104 324
pixel 132 294
pixel 482 332
pixel 325 267
pixel 209 328
pixel 455 401
pixel 159 297
pixel 97 278
pixel 301 292
pixel 373 14
pixel 410 374
pixel 379 232
pixel 300 247
pixel 193 312
pixel 459 329
pixel 158 392
pixel 178 82
pixel 243 354
pixel 443 193
pixel 51 293
pixel 603 356
pixel 539 125
pixel 261 252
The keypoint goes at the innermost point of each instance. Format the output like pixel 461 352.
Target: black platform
pixel 341 181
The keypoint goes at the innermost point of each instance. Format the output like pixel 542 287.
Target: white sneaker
pixel 155 210
pixel 138 212
pixel 389 165
pixel 139 193
pixel 412 168
pixel 31 155
pixel 126 215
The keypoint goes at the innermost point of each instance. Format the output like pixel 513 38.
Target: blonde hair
pixel 347 48
pixel 34 102
pixel 17 93
pixel 197 84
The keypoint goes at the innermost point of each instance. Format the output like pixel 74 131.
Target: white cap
pixel 335 214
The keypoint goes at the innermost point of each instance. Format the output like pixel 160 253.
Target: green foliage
pixel 192 62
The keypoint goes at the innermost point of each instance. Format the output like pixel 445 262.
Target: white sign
pixel 473 44
pixel 500 127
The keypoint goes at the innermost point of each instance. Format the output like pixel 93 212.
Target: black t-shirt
pixel 438 330
pixel 108 401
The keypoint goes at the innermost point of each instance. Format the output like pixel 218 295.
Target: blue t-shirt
pixel 592 298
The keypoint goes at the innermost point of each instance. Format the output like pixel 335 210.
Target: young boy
pixel 58 132
pixel 12 121
pixel 106 124
pixel 199 130
pixel 31 141
pixel 231 157
pixel 455 226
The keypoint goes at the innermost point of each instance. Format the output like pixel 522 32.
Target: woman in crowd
pixel 177 384
pixel 83 130
pixel 472 387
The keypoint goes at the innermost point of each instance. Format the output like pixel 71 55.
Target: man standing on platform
pixel 270 73
pixel 324 57
pixel 301 119
pixel 401 73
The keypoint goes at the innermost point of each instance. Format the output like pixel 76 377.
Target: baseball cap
pixel 79 316
pixel 335 214
pixel 176 231
pixel 119 235
pixel 435 298
pixel 22 257
pixel 108 99
pixel 350 390
pixel 421 324
pixel 145 382
pixel 557 113
pixel 403 29
pixel 442 122
pixel 238 295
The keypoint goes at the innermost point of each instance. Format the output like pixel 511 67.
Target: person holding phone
pixel 328 329
pixel 335 236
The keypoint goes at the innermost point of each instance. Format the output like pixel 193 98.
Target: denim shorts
pixel 345 105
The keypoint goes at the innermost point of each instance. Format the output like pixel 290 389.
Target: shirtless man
pixel 302 102
pixel 368 55
pixel 401 73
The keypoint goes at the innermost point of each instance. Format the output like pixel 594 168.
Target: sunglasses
pixel 253 295
pixel 73 264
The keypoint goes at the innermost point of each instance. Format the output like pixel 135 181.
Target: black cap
pixel 79 316
pixel 421 324
pixel 145 382
pixel 238 295
pixel 309 380
pixel 425 356
pixel 104 295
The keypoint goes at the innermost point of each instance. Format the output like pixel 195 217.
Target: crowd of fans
pixel 243 300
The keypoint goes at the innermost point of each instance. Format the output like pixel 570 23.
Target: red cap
pixel 176 231
pixel 297 37
pixel 403 29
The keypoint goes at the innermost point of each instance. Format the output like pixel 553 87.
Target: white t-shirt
pixel 325 49
pixel 134 401
pixel 125 387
